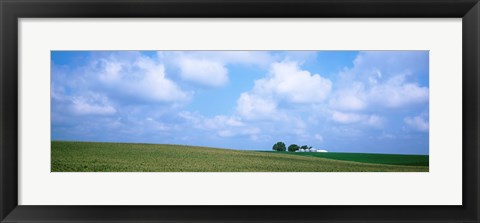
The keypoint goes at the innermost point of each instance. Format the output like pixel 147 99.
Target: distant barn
pixel 312 150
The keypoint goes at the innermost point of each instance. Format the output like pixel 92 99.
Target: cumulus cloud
pixel 397 93
pixel 144 79
pixel 110 96
pixel 209 68
pixel 252 106
pixel 418 123
pixel 278 99
pixel 170 96
pixel 393 93
pixel 382 80
pixel 221 125
pixel 93 105
pixel 261 58
pixel 353 98
pixel 206 72
pixel 285 81
pixel 348 118
pixel 385 64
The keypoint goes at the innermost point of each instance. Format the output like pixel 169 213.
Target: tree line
pixel 280 146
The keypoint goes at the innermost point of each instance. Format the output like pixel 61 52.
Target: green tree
pixel 304 147
pixel 293 148
pixel 279 146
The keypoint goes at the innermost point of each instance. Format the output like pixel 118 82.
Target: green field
pixel 127 157
pixel 391 159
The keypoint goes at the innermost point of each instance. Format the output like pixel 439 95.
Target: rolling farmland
pixel 130 157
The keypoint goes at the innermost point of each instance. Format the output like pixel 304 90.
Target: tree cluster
pixel 280 146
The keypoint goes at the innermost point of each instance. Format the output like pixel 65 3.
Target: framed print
pixel 141 100
pixel 230 111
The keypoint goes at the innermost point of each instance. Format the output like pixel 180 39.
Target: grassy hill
pixel 127 157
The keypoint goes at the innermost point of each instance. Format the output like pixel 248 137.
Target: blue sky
pixel 341 101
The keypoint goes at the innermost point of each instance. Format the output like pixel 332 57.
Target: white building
pixel 312 150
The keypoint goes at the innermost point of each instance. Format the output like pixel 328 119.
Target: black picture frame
pixel 12 10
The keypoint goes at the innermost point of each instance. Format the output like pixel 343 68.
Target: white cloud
pixel 252 106
pixel 349 118
pixel 318 137
pixel 203 71
pixel 156 124
pixel 288 102
pixel 353 98
pixel 346 117
pixel 396 93
pixel 386 63
pixel 381 80
pixel 57 93
pixel 261 58
pixel 223 126
pixel 375 120
pixel 112 70
pixel 209 68
pixel 419 122
pixel 241 57
pixel 225 133
pixel 287 81
pixel 145 79
pixel 222 121
pixel 93 105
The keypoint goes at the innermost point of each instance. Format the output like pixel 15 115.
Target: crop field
pixel 391 159
pixel 129 157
